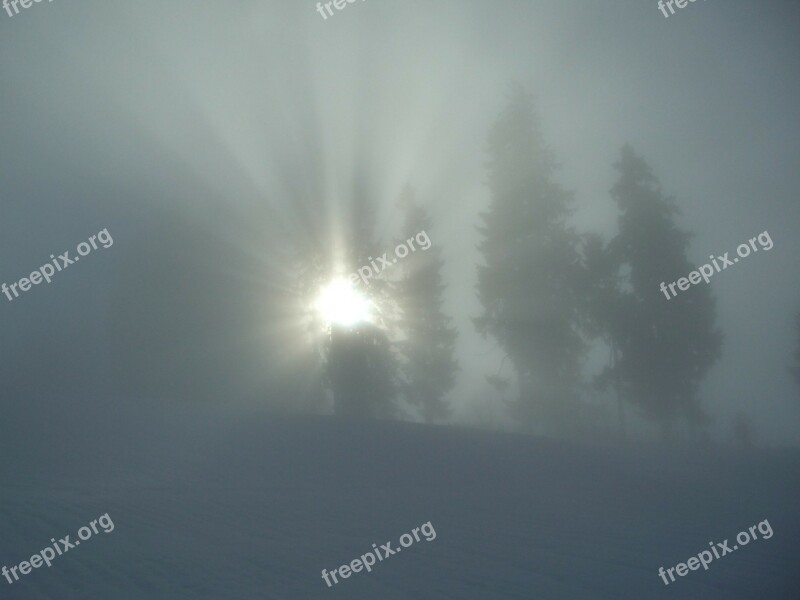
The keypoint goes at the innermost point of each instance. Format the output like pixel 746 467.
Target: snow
pixel 216 507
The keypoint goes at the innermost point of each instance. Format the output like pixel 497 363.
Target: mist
pixel 562 159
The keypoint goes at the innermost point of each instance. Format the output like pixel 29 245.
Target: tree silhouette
pixel 604 310
pixel 360 360
pixel 528 282
pixel 428 345
pixel 360 371
pixel 663 347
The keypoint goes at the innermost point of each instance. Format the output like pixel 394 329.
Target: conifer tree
pixel 528 282
pixel 665 347
pixel 428 345
pixel 361 361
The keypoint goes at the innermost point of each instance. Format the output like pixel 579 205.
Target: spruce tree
pixel 665 347
pixel 361 364
pixel 428 345
pixel 604 310
pixel 528 282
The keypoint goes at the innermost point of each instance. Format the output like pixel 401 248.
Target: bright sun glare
pixel 340 304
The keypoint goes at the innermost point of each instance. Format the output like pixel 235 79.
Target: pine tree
pixel 429 365
pixel 361 362
pixel 604 310
pixel 664 346
pixel 527 285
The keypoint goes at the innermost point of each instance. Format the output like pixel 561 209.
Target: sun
pixel 340 304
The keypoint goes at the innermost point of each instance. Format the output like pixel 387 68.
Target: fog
pixel 243 155
pixel 249 126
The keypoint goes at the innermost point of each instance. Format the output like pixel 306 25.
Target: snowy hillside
pixel 257 509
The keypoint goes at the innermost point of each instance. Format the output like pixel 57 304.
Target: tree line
pixel 548 294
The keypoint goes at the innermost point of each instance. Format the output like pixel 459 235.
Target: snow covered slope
pixel 256 508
